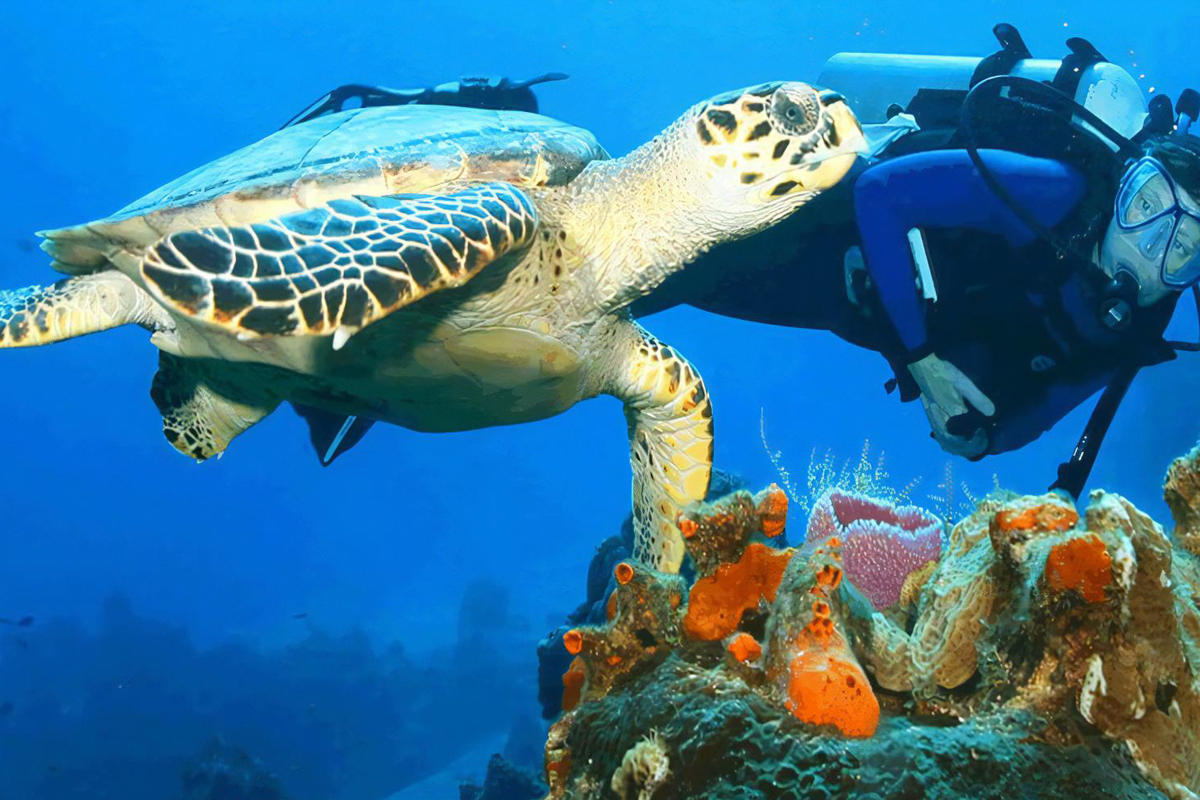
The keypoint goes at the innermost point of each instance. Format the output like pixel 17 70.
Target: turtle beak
pixel 852 139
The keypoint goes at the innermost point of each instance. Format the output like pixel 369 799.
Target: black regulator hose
pixel 1038 96
pixel 1073 473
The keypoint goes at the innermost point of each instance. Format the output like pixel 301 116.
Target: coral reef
pixel 645 768
pixel 717 602
pixel 222 772
pixel 124 706
pixel 553 658
pixel 504 781
pixel 1038 653
pixel 1182 493
pixel 643 621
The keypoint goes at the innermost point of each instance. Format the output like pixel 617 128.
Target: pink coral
pixel 882 543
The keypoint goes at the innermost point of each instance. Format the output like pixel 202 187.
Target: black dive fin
pixel 332 434
pixel 549 76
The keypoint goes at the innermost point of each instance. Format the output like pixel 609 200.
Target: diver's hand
pixel 945 393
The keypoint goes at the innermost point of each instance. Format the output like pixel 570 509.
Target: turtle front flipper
pixel 670 439
pixel 334 269
pixel 200 420
pixel 73 307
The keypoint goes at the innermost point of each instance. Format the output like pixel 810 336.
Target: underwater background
pixel 363 627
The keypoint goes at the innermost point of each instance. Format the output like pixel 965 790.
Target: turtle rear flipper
pixel 73 307
pixel 198 419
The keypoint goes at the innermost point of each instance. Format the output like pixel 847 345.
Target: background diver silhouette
pixel 1007 250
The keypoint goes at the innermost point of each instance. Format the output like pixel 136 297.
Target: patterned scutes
pixel 342 265
pixel 18 307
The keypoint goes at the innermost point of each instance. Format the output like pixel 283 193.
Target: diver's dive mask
pixel 1167 219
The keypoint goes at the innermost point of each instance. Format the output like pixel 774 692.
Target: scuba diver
pixel 1016 241
pixel 1097 244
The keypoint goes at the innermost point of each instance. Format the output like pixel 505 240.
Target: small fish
pixel 6 709
pixel 24 622
pixel 301 615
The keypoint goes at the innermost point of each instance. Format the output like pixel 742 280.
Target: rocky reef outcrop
pixel 223 772
pixel 503 781
pixel 1032 651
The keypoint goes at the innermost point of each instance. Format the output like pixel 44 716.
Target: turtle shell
pixel 365 151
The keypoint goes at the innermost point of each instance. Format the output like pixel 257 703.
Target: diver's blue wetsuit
pixel 943 189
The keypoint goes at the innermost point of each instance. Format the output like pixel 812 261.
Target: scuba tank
pixel 879 85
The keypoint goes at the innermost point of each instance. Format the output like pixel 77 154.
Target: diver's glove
pixel 945 393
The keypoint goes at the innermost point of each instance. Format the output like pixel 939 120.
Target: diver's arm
pixel 943 189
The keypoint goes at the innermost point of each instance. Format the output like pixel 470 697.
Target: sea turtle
pixel 442 269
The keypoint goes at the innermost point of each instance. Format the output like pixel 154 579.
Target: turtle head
pixel 765 150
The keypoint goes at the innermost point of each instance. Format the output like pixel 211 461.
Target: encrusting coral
pixel 1182 494
pixel 644 621
pixel 1040 653
pixel 643 770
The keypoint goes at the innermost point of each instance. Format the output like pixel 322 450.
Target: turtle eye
pixel 796 111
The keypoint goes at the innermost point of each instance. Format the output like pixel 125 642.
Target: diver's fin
pixel 73 307
pixel 546 78
pixel 198 420
pixel 332 434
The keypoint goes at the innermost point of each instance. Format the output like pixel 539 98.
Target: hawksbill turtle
pixel 442 269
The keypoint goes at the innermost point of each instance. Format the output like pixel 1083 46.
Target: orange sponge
pixel 1047 517
pixel 716 603
pixel 1082 564
pixel 822 680
pixel 773 508
pixel 745 647
pixel 826 686
pixel 573 680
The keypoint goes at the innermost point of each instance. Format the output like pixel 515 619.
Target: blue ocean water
pixel 156 586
